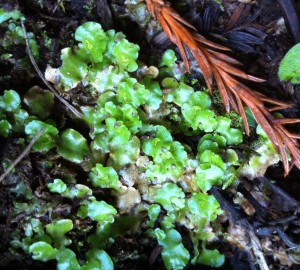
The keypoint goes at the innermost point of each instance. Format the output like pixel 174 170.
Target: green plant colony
pixel 145 177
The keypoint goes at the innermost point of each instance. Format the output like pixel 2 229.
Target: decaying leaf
pixel 221 68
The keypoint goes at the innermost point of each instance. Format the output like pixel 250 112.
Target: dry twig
pixel 69 106
pixel 22 155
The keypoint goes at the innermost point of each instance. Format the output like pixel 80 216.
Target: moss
pixel 129 166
